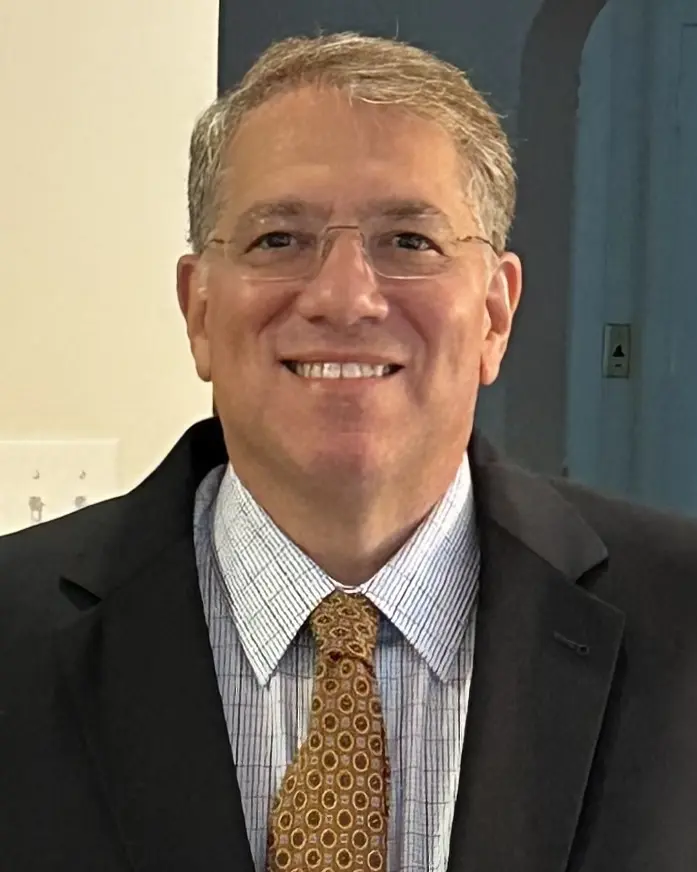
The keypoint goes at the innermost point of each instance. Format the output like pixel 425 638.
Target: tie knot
pixel 345 624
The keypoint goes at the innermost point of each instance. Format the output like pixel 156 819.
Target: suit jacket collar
pixel 142 685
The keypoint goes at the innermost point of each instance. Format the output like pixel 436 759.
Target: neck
pixel 350 550
pixel 347 532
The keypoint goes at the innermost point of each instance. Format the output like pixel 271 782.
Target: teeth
pixel 328 370
pixel 340 370
pixel 353 370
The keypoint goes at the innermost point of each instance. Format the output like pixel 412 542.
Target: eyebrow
pixel 273 209
pixel 391 207
pixel 395 207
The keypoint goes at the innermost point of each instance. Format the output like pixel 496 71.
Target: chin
pixel 345 463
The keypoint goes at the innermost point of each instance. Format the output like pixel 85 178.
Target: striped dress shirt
pixel 258 590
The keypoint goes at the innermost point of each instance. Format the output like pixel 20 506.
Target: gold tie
pixel 330 814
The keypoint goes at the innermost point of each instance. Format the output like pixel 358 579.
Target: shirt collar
pixel 426 590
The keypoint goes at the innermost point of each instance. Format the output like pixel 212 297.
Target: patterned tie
pixel 330 814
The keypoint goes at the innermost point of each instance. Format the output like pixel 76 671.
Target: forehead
pixel 317 146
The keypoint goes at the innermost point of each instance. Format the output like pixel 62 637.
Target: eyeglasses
pixel 299 252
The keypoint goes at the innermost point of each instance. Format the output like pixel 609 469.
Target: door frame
pixel 535 372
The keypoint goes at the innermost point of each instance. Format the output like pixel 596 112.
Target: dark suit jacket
pixel 581 742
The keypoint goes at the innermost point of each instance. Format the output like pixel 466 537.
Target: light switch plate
pixel 617 351
pixel 44 480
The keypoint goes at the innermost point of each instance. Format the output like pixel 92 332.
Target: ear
pixel 503 297
pixel 192 292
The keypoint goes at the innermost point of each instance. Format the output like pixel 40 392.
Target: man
pixel 334 630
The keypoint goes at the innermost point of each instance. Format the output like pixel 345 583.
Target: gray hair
pixel 374 70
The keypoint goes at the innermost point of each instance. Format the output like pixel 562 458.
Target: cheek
pixel 223 323
pixel 229 313
pixel 452 324
pixel 240 323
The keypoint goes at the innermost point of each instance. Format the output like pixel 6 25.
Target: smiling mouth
pixel 349 370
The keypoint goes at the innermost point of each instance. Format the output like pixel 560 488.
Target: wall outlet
pixel 40 481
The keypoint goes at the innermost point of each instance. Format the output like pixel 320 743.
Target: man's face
pixel 447 332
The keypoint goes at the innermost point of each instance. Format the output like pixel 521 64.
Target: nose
pixel 345 290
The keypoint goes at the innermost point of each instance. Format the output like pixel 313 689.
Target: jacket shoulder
pixel 32 560
pixel 102 546
pixel 625 522
pixel 652 555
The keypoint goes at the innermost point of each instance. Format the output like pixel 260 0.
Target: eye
pixel 275 239
pixel 414 242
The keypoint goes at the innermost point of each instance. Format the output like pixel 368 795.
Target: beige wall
pixel 97 100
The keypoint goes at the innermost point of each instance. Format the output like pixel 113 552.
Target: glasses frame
pixel 327 238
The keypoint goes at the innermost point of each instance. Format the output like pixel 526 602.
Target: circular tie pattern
pixel 330 814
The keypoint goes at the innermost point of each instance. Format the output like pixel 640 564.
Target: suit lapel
pixel 545 654
pixel 142 685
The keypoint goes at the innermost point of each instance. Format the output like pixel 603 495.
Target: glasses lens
pixel 407 255
pixel 279 255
